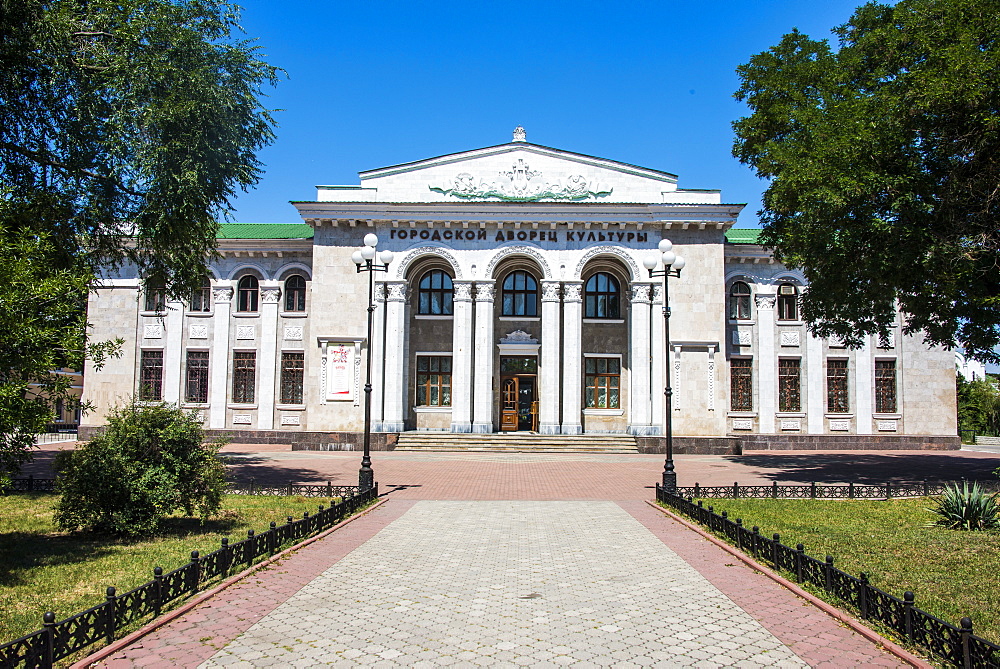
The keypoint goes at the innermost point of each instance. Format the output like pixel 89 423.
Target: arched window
pixel 201 298
pixel 788 302
pixel 520 295
pixel 739 302
pixel 435 293
pixel 601 297
pixel 295 293
pixel 249 290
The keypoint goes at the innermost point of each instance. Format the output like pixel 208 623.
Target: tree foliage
pixel 978 406
pixel 883 157
pixel 126 127
pixel 149 462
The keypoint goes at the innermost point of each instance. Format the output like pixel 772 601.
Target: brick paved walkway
pixel 442 582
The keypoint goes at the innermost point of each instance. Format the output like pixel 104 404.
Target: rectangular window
pixel 434 380
pixel 196 380
pixel 602 381
pixel 789 385
pixel 292 371
pixel 201 300
pixel 151 376
pixel 836 387
pixel 885 386
pixel 244 376
pixel 155 299
pixel 741 384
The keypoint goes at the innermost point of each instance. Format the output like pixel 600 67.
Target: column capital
pixel 765 301
pixel 550 291
pixel 572 291
pixel 485 291
pixel 640 293
pixel 222 294
pixel 657 293
pixel 462 291
pixel 396 291
pixel 270 295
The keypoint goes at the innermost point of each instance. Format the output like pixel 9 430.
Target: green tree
pixel 150 461
pixel 883 157
pixel 126 127
pixel 978 406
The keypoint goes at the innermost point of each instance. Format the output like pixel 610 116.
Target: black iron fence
pixel 251 487
pixel 957 646
pixel 102 623
pixel 821 491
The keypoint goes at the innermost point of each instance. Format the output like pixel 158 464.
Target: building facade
pixel 516 300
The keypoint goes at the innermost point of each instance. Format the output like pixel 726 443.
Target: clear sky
pixel 374 83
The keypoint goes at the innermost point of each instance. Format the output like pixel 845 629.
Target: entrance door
pixel 518 394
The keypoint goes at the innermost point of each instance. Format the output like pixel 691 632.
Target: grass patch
pixel 952 573
pixel 43 569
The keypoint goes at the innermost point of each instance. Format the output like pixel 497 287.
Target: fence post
pixel 926 491
pixel 736 489
pixel 31 482
pixel 755 541
pixel 863 594
pixel 776 538
pixel 272 538
pixel 800 552
pixel 226 557
pixel 697 489
pixel 110 606
pixel 307 526
pixel 908 615
pixel 812 490
pixel 966 632
pixel 158 580
pixel 329 489
pixel 828 574
pixel 289 488
pixel 850 490
pixel 196 570
pixel 250 552
pixel 774 490
pixel 253 481
pixel 739 533
pixel 888 491
pixel 49 652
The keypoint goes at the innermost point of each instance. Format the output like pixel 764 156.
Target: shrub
pixel 149 461
pixel 967 508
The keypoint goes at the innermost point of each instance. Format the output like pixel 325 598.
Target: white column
pixel 675 385
pixel 395 356
pixel 222 292
pixel 711 377
pixel 572 385
pixel 378 357
pixel 639 402
pixel 863 382
pixel 482 420
pixel 548 409
pixel 815 384
pixel 461 357
pixel 270 294
pixel 767 364
pixel 658 365
pixel 173 352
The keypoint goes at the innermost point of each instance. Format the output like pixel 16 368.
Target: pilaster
pixel 461 357
pixel 395 355
pixel 173 353
pixel 548 410
pixel 863 392
pixel 639 400
pixel 222 293
pixel 767 363
pixel 815 384
pixel 270 294
pixel 482 420
pixel 572 374
pixel 378 357
pixel 658 363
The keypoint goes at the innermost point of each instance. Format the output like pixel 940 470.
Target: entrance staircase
pixel 516 442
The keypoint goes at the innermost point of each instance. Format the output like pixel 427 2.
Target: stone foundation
pixel 848 442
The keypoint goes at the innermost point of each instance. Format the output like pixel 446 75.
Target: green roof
pixel 265 231
pixel 742 235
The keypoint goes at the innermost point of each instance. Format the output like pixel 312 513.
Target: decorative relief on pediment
pixel 518 337
pixel 520 184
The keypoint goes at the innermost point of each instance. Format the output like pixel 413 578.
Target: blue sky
pixel 372 83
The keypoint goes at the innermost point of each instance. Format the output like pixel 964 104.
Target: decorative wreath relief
pixel 521 183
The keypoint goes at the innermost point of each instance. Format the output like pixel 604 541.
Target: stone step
pixel 516 442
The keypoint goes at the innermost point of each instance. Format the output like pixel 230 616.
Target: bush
pixel 150 461
pixel 967 508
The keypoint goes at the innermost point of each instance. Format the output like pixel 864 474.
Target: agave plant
pixel 967 508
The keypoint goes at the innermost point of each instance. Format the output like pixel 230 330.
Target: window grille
pixel 201 299
pixel 292 373
pixel 249 290
pixel 520 295
pixel 602 297
pixel 196 383
pixel 435 293
pixel 602 382
pixel 789 384
pixel 837 399
pixel 434 380
pixel 788 302
pixel 244 376
pixel 741 384
pixel 295 293
pixel 739 302
pixel 885 386
pixel 151 376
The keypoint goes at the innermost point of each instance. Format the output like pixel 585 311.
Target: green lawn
pixel 42 569
pixel 952 573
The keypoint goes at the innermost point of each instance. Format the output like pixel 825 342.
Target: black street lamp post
pixel 672 266
pixel 363 258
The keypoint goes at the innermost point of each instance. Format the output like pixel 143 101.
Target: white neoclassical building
pixel 516 301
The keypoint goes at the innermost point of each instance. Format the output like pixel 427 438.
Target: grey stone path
pixel 509 583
